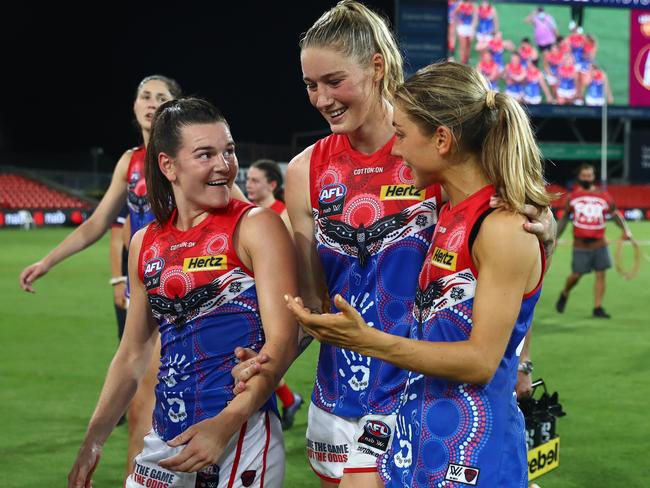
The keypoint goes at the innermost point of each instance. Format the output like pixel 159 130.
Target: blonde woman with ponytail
pixel 476 291
pixel 362 230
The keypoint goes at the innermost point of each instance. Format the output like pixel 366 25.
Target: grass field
pixel 609 26
pixel 56 346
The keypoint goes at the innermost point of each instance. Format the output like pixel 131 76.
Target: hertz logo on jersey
pixel 400 192
pixel 205 263
pixel 444 259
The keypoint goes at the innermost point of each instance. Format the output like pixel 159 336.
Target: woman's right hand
pixel 31 273
pixel 81 474
pixel 249 365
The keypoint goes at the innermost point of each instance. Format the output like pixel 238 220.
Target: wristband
pixel 117 280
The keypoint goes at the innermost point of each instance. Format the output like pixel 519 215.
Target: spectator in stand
pixel 534 85
pixel 488 24
pixel 515 75
pixel 527 52
pixel 589 206
pixel 544 27
pixel 597 87
pixel 466 14
pixel 490 69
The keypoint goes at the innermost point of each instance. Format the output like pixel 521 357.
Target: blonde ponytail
pixel 490 125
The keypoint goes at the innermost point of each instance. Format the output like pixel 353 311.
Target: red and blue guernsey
pixel 205 303
pixel 456 434
pixel 139 209
pixel 373 228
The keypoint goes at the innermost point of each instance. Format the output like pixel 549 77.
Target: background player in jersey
pixel 596 87
pixel 477 289
pixel 118 257
pixel 127 185
pixel 466 18
pixel 535 85
pixel 490 69
pixel 451 26
pixel 360 227
pixel 515 77
pixel 589 206
pixel 487 24
pixel 566 91
pixel 264 188
pixel 201 275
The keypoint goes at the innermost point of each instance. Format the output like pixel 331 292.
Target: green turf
pixel 57 344
pixel 609 26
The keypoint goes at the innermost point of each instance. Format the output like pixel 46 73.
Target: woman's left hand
pixel 205 441
pixel 344 329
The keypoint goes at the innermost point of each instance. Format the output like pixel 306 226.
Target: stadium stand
pixel 19 192
pixel 24 200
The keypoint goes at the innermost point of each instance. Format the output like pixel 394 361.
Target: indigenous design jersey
pixel 589 210
pixel 136 197
pixel 205 303
pixel 373 228
pixel 453 434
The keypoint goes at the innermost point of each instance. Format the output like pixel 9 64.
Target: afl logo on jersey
pixel 376 434
pixel 331 199
pixel 153 267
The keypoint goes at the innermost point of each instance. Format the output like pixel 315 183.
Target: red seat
pixel 17 191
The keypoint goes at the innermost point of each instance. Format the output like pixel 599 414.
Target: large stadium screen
pixel 559 57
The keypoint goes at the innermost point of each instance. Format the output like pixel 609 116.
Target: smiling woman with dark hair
pixel 201 276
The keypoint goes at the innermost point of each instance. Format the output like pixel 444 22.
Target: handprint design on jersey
pixel 359 368
pixel 175 370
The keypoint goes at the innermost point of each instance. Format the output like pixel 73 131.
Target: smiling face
pixel 339 88
pixel 151 95
pixel 204 167
pixel 420 152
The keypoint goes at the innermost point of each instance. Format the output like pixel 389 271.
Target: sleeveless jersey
pixel 489 69
pixel 139 209
pixel 486 19
pixel 457 434
pixel 497 49
pixel 526 54
pixel 278 207
pixel 596 87
pixel 372 231
pixel 533 87
pixel 554 59
pixel 205 303
pixel 567 74
pixel 465 13
pixel 589 210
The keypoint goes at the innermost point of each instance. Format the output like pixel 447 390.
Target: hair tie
pixel 490 99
